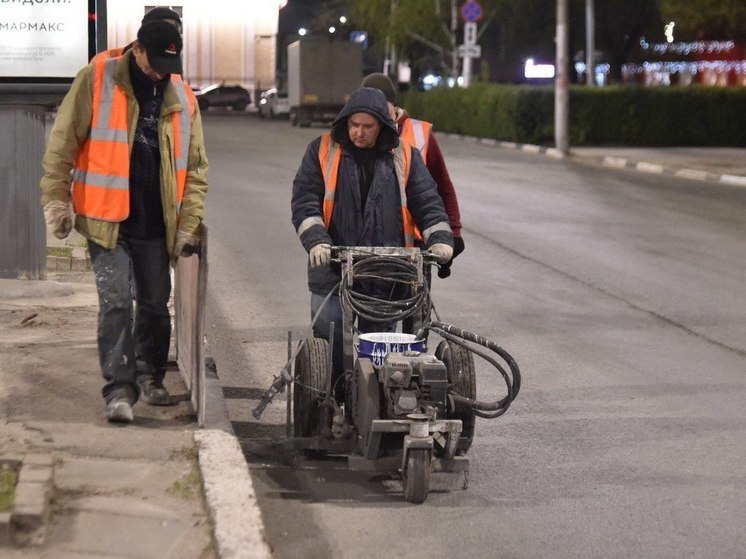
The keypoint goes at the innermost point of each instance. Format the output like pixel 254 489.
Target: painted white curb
pixel 238 528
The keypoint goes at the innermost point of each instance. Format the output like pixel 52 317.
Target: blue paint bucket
pixel 376 345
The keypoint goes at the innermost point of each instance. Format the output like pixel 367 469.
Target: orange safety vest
pixel 330 155
pixel 100 181
pixel 104 54
pixel 417 133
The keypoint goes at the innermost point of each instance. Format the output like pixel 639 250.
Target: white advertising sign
pixel 43 38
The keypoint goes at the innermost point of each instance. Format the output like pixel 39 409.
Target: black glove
pixel 458 247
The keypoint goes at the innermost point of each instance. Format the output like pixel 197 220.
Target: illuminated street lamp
pixel 302 31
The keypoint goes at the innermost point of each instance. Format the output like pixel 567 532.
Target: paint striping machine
pixel 390 406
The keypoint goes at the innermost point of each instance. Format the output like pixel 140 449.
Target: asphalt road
pixel 622 296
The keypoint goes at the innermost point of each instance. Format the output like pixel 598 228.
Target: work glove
pixel 442 252
pixel 320 255
pixel 458 247
pixel 59 218
pixel 186 244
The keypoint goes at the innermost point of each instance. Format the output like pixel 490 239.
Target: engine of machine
pixel 413 381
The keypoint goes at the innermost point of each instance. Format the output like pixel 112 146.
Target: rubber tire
pixel 311 367
pixel 416 478
pixel 240 106
pixel 459 363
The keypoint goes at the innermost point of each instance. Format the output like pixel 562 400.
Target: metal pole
pixel 467 71
pixel 289 396
pixel 454 52
pixel 590 47
pixel 470 40
pixel 387 59
pixel 561 97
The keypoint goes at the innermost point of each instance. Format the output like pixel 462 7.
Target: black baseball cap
pixel 160 13
pixel 162 44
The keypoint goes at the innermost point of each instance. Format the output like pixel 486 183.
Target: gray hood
pixel 373 102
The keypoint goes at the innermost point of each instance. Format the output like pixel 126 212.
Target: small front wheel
pixel 416 477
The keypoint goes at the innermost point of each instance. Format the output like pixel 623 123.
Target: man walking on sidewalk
pixel 127 150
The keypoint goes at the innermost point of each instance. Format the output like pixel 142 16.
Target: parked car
pixel 221 95
pixel 273 103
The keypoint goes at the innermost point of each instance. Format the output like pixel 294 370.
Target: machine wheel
pixel 417 475
pixel 459 363
pixel 311 367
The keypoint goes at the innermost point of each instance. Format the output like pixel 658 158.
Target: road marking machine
pixel 392 406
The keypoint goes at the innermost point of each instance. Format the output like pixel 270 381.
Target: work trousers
pixel 131 344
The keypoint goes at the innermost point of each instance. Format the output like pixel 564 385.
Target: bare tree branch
pixel 428 42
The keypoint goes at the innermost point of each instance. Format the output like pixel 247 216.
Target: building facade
pixel 225 41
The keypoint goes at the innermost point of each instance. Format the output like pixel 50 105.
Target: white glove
pixel 442 252
pixel 183 240
pixel 320 255
pixel 59 218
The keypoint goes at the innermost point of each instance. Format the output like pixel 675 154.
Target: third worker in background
pixel 419 134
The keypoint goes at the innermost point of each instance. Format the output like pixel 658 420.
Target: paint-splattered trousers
pixel 133 340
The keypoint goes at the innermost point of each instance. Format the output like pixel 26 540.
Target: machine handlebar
pixel 354 253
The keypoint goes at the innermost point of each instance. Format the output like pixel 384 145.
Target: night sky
pixel 297 13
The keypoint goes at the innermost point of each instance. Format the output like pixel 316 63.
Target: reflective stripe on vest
pixel 330 155
pixel 100 181
pixel 417 133
pixel 182 130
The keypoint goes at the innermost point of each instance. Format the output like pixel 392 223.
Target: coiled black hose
pixel 406 294
pixel 488 410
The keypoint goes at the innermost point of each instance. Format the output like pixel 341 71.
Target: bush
pixel 618 115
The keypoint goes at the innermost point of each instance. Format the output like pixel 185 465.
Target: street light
pixel 302 31
pixel 332 29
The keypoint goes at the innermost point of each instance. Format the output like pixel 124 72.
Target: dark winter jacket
pixel 380 223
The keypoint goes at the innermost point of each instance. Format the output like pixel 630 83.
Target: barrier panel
pixel 190 290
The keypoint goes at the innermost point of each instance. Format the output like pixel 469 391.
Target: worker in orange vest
pixel 419 134
pixel 127 151
pixel 159 13
pixel 357 185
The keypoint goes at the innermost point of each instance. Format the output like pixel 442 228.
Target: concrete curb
pixel 230 496
pixel 26 524
pixel 655 168
pixel 78 261
pixel 613 162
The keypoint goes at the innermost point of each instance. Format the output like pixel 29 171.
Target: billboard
pixel 45 40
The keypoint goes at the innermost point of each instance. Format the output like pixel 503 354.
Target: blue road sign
pixel 472 11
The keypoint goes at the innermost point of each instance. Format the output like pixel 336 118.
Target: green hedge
pixel 623 116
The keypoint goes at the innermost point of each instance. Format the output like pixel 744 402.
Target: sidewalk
pixel 160 487
pixel 720 165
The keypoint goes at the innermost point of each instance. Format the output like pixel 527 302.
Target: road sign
pixel 471 51
pixel 470 33
pixel 472 11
